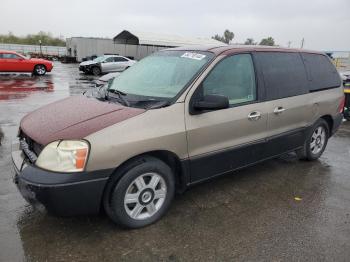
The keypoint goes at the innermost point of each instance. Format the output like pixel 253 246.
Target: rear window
pixel 284 74
pixel 321 72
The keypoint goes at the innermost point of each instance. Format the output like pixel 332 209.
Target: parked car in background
pixel 13 62
pixel 103 80
pixel 345 75
pixel 106 64
pixel 177 118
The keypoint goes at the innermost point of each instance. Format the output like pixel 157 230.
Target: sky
pixel 324 24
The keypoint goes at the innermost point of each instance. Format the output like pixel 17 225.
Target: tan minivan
pixel 176 118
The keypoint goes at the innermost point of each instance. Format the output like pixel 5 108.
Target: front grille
pixel 30 148
pixel 28 153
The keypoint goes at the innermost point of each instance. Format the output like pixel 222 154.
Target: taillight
pixel 341 105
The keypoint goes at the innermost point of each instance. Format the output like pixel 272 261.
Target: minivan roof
pixel 228 49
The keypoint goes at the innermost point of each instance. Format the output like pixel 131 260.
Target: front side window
pixel 11 56
pixel 162 75
pixel 109 60
pixel 233 77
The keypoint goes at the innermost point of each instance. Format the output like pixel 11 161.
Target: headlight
pixel 64 156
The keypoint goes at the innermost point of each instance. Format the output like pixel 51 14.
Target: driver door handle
pixel 255 115
pixel 279 110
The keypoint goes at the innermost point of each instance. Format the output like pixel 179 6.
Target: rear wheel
pixel 142 195
pixel 40 70
pixel 316 141
pixel 96 71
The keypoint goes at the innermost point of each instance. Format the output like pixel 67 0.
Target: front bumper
pixel 59 193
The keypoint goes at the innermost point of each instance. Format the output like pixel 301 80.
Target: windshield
pixel 161 75
pixel 99 59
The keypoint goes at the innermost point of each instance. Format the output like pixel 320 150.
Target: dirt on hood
pixel 73 118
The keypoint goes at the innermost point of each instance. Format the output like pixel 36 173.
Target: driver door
pixel 11 63
pixel 223 140
pixel 108 65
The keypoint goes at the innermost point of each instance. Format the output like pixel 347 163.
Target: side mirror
pixel 211 102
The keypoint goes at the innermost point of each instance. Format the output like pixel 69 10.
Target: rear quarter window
pixel 321 72
pixel 284 74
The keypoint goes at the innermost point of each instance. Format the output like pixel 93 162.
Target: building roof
pixel 155 39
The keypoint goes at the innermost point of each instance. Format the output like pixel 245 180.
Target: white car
pixel 106 64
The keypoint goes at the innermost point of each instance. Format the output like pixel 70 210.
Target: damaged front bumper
pixel 63 194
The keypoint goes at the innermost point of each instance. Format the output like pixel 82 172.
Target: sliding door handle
pixel 279 110
pixel 255 115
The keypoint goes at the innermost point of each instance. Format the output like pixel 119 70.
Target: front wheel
pixel 316 141
pixel 40 70
pixel 96 71
pixel 142 195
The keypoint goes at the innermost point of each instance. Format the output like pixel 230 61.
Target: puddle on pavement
pixel 19 95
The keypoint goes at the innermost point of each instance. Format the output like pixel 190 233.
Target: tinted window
pixel 284 74
pixel 233 77
pixel 10 56
pixel 109 60
pixel 120 59
pixel 322 73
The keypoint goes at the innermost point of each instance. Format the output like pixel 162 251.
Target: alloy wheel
pixel 145 196
pixel 40 69
pixel 318 140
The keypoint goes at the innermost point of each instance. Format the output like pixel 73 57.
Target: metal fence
pixel 35 49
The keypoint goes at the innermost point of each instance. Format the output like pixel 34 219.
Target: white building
pixel 136 44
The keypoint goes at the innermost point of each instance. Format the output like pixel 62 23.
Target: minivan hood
pixel 73 118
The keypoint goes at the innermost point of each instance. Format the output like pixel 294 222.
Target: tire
pixel 142 195
pixel 316 141
pixel 96 71
pixel 40 70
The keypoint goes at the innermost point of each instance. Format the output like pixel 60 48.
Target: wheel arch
pixel 180 170
pixel 330 122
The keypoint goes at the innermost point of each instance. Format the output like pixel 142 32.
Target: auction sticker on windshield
pixel 195 56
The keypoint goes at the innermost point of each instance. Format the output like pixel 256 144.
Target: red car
pixel 13 62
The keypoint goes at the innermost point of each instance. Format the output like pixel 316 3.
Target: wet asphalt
pixel 279 210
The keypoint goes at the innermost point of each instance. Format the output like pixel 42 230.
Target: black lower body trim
pixel 220 162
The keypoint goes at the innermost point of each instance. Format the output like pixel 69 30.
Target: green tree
pixel 249 41
pixel 226 38
pixel 267 41
pixel 33 39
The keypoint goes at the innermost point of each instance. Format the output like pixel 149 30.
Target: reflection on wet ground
pixel 251 215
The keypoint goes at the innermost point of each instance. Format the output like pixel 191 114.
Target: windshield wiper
pixel 120 95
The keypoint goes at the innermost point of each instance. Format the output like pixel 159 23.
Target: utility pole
pixel 302 43
pixel 289 43
pixel 41 52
